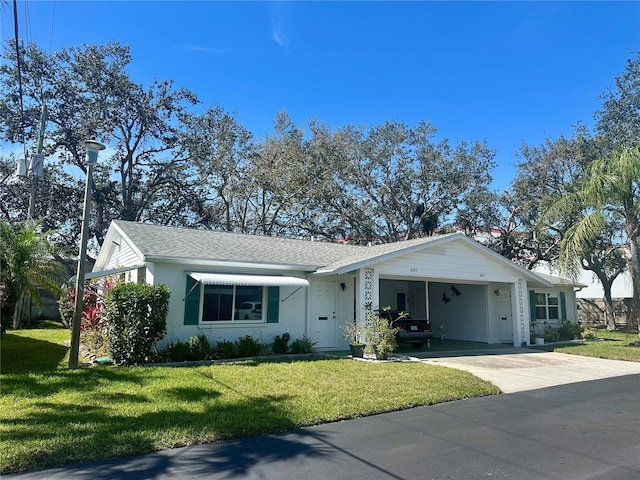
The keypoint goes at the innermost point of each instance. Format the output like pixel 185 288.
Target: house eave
pixel 200 262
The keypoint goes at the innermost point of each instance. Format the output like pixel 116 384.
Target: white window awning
pixel 248 280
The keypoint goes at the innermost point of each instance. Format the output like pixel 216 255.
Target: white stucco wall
pixel 292 311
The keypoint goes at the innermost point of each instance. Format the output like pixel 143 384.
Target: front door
pixel 323 314
pixel 505 320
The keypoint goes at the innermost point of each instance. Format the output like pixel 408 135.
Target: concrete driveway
pixel 522 369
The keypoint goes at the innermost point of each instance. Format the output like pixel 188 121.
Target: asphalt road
pixel 586 430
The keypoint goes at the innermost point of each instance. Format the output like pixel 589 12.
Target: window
pixel 221 298
pixel 547 306
pixel 224 303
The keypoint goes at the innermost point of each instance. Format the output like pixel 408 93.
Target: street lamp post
pixel 92 148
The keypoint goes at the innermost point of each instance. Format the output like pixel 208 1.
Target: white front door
pixel 323 314
pixel 505 320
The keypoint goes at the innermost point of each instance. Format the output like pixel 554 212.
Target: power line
pixel 19 68
pixel 53 19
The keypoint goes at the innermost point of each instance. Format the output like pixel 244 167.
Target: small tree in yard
pixel 27 261
pixel 380 337
pixel 137 319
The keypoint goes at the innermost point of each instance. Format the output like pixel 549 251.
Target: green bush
pixel 380 337
pixel 196 348
pixel 225 349
pixel 589 334
pixel 96 341
pixel 303 345
pixel 199 348
pixel 565 330
pixel 247 346
pixel 137 317
pixel 176 352
pixel 280 344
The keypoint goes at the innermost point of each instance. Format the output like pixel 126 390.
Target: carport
pixel 456 310
pixel 460 311
pixel 465 290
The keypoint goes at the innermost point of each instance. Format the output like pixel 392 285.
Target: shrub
pixel 280 343
pixel 565 330
pixel 225 349
pixel 137 317
pixel 353 332
pixel 96 340
pixel 93 315
pixel 66 307
pixel 177 352
pixel 199 348
pixel 380 337
pixel 93 322
pixel 247 346
pixel 589 334
pixel 303 345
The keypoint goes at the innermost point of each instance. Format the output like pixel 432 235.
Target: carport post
pixel 520 307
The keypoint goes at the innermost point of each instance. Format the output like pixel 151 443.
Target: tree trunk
pixel 609 310
pixel 634 270
pixel 633 230
pixel 17 313
pixel 606 282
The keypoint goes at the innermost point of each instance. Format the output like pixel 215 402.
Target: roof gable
pixel 386 252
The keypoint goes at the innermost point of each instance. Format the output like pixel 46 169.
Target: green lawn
pixel 612 345
pixel 50 416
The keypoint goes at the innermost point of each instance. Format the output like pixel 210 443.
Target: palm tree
pixel 609 195
pixel 27 263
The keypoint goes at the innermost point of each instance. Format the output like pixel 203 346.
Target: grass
pixel 50 416
pixel 34 350
pixel 613 345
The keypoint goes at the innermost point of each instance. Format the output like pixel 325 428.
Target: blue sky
pixel 507 72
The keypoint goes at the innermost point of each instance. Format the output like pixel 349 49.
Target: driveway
pixel 521 369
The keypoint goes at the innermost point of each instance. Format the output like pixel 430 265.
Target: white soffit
pixel 248 280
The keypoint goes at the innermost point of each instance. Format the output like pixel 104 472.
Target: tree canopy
pixel 172 161
pixel 171 164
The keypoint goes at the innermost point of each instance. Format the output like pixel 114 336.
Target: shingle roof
pixel 163 242
pixel 155 242
pixel 559 281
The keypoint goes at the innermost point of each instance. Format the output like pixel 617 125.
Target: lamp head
pixel 93 147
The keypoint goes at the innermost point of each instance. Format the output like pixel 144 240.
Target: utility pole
pixel 33 170
pixel 36 165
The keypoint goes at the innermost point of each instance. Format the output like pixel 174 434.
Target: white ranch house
pixel 226 285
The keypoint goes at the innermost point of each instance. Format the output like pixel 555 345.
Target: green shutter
pixel 192 302
pixel 532 305
pixel 563 306
pixel 273 304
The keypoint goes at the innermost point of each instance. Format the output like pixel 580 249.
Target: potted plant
pixel 533 332
pixel 354 333
pixel 380 337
